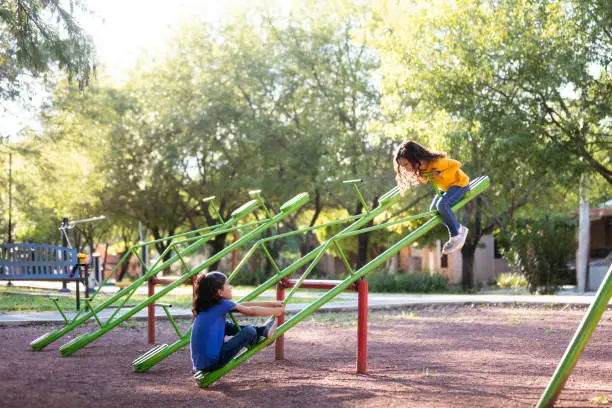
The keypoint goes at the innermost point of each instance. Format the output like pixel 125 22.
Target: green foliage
pixel 511 280
pixel 538 248
pixel 407 283
pixel 468 77
pixel 298 100
pixel 251 277
pixel 34 34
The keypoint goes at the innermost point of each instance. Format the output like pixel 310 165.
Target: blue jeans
pixel 443 205
pixel 248 335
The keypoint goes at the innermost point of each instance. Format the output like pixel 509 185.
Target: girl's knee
pixel 442 204
pixel 249 330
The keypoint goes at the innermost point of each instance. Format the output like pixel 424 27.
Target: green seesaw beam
pixel 578 343
pixel 81 341
pixel 88 312
pixel 152 357
pixel 206 379
pixel 144 362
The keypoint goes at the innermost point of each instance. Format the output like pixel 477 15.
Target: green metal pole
pixel 81 341
pixel 151 358
pixel 207 379
pixel 48 338
pixel 576 346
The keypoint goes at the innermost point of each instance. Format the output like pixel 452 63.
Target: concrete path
pixel 344 302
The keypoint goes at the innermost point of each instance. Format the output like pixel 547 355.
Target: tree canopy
pixel 302 99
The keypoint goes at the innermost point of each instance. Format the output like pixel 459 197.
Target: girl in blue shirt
pixel 211 302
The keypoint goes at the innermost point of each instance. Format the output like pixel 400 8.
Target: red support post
pixel 361 286
pixel 362 326
pixel 279 348
pixel 151 292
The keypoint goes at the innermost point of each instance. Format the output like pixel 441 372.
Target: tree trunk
pixel 363 241
pixel 362 254
pixel 217 245
pixel 161 246
pixel 467 274
pixel 124 267
pixel 469 249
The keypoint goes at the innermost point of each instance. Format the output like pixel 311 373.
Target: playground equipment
pixel 578 343
pixel 160 352
pixel 193 244
pixel 361 287
pixel 154 356
pixel 476 187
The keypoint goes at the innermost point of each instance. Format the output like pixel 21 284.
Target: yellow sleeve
pixel 446 164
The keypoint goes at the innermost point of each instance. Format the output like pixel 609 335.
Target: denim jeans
pixel 248 335
pixel 443 205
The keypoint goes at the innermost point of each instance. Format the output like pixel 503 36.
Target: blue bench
pixel 39 262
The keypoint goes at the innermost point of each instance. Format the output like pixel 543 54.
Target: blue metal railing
pixel 37 262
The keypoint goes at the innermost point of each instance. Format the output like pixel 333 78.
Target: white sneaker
pixel 270 327
pixel 456 243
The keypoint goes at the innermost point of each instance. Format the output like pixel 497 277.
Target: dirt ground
pixel 451 356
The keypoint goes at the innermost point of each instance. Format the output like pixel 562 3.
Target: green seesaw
pixel 157 354
pixel 154 356
pixel 80 341
pixel 578 343
pixel 476 187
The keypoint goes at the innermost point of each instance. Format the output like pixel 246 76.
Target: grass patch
pixel 599 400
pixel 511 281
pixel 426 372
pixel 20 299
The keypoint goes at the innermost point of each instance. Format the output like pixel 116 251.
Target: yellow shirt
pixel 450 173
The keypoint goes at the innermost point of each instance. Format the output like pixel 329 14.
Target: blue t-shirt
pixel 208 333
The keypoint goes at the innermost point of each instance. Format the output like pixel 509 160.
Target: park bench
pixel 41 262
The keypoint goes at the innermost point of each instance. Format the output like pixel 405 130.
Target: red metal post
pixel 279 347
pixel 362 326
pixel 151 312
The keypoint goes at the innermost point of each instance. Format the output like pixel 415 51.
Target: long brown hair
pixel 415 154
pixel 206 293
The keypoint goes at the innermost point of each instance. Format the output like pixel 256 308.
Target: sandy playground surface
pixel 451 356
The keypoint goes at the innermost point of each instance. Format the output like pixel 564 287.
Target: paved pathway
pixel 344 302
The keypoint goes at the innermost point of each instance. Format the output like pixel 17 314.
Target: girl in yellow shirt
pixel 416 164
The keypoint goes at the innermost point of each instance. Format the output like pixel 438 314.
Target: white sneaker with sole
pixel 456 243
pixel 270 327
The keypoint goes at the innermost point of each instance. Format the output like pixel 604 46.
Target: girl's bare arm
pixel 264 304
pixel 259 310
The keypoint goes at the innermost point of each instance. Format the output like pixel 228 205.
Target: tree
pixel 31 43
pixel 475 71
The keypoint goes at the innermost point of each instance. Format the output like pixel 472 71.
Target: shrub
pixel 251 278
pixel 511 281
pixel 538 248
pixel 407 283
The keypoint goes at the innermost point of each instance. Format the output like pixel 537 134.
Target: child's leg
pixel 434 203
pixel 230 329
pixel 247 335
pixel 444 204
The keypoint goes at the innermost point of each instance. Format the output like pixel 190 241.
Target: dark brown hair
pixel 206 293
pixel 416 154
